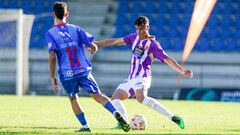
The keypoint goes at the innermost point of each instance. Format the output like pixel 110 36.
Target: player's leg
pixel 105 101
pixel 78 110
pixel 90 85
pixel 141 86
pixel 71 88
pixel 123 92
pixel 152 103
pixel 117 98
pixel 142 97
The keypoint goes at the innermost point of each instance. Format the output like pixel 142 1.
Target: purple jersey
pixel 143 53
pixel 68 42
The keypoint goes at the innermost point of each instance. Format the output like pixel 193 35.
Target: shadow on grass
pixel 231 130
pixel 60 132
pixel 77 133
pixel 2 127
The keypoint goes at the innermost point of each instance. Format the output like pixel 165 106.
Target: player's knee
pixel 115 96
pixel 73 98
pixel 140 98
pixel 119 94
pixel 98 97
pixel 140 95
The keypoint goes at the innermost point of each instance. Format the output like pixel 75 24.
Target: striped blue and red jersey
pixel 68 41
pixel 143 54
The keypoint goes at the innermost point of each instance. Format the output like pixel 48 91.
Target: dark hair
pixel 60 9
pixel 142 20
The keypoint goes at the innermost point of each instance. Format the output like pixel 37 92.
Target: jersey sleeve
pixel 129 39
pixel 158 52
pixel 52 46
pixel 85 37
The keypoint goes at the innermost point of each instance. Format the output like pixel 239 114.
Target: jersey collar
pixel 60 24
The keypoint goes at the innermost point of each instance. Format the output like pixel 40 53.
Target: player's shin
pixel 123 123
pixel 155 105
pixel 120 108
pixel 105 101
pixel 109 106
pixel 82 119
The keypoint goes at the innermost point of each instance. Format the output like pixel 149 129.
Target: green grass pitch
pixel 53 115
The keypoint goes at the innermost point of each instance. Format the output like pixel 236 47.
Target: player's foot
pixel 117 127
pixel 179 121
pixel 124 125
pixel 84 130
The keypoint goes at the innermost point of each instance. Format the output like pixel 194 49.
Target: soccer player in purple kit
pixel 67 42
pixel 145 49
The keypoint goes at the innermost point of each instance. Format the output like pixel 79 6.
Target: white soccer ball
pixel 138 122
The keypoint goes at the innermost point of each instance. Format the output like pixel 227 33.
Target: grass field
pixel 53 115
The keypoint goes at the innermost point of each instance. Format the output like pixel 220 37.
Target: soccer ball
pixel 138 122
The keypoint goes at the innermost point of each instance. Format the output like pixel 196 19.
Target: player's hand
pixel 54 84
pixel 188 73
pixel 90 51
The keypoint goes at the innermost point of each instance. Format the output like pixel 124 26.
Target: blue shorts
pixel 87 82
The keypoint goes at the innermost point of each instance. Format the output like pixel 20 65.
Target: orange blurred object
pixel 201 13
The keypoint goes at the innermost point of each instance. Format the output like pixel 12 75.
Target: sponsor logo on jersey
pixel 70 73
pixel 139 84
pixel 68 44
pixel 79 71
pixel 138 52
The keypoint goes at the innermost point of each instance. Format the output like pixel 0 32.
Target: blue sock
pixel 81 118
pixel 109 106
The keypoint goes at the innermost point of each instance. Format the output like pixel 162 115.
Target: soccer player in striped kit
pixel 66 42
pixel 145 48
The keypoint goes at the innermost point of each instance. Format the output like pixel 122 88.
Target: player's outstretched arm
pixel 52 61
pixel 110 42
pixel 173 64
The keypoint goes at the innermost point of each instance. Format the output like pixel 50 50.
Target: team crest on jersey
pixel 69 73
pixel 146 47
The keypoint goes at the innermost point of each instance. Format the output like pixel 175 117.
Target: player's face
pixel 142 29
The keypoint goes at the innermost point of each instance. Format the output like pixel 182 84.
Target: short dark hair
pixel 60 9
pixel 142 20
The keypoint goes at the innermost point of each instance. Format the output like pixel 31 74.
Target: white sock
pixel 120 108
pixel 155 105
pixel 85 126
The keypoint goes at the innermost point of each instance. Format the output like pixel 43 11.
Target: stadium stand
pixel 170 19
